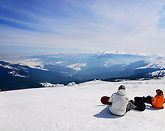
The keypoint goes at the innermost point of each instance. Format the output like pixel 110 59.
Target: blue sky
pixel 39 26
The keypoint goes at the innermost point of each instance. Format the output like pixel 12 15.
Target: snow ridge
pixel 158 62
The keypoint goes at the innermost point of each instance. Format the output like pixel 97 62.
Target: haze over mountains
pixel 30 71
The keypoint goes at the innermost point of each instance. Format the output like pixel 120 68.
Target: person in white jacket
pixel 119 103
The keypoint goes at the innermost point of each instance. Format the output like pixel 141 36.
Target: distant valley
pixel 31 71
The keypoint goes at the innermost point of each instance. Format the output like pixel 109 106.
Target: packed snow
pixel 77 107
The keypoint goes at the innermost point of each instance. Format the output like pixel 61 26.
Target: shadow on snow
pixel 105 113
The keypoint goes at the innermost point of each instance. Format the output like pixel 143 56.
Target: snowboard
pixel 104 100
pixel 140 106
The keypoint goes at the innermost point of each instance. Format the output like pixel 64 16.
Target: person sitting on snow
pixel 156 101
pixel 119 103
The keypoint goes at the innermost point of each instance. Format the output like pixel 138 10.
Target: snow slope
pixel 77 107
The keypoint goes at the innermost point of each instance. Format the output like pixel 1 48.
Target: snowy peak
pixel 15 76
pixel 15 70
pixel 77 66
pixel 157 73
pixel 107 59
pixel 155 62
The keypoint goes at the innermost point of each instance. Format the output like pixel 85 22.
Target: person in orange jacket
pixel 156 101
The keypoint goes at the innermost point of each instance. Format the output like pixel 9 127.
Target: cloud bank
pixel 127 26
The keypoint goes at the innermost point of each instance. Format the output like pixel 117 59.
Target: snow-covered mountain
pixel 81 61
pixel 77 107
pixel 64 68
pixel 154 62
pixel 16 76
pixel 83 64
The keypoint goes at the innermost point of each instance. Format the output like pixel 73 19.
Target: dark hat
pixel 121 87
pixel 158 91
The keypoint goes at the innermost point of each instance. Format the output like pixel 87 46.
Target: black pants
pixel 139 102
pixel 144 99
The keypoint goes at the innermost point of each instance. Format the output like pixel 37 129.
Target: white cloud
pixel 130 26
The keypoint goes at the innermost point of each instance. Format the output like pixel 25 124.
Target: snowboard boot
pixel 148 99
pixel 131 101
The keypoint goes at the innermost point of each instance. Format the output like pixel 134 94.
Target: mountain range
pixel 31 71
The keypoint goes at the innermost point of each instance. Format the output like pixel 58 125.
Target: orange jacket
pixel 157 101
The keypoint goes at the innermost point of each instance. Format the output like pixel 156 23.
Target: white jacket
pixel 119 102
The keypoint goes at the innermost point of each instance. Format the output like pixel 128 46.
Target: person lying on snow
pixel 119 103
pixel 156 101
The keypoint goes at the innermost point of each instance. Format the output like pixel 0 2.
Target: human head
pixel 121 87
pixel 159 92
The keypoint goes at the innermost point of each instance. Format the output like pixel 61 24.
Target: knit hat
pixel 121 87
pixel 158 91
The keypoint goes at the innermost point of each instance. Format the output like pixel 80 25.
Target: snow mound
pixel 77 107
pixel 47 84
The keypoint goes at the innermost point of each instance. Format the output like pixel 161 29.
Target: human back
pixel 119 102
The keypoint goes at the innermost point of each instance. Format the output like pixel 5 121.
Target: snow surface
pixel 77 107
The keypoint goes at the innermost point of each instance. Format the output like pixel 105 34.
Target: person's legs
pixel 129 106
pixel 139 103
pixel 144 99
